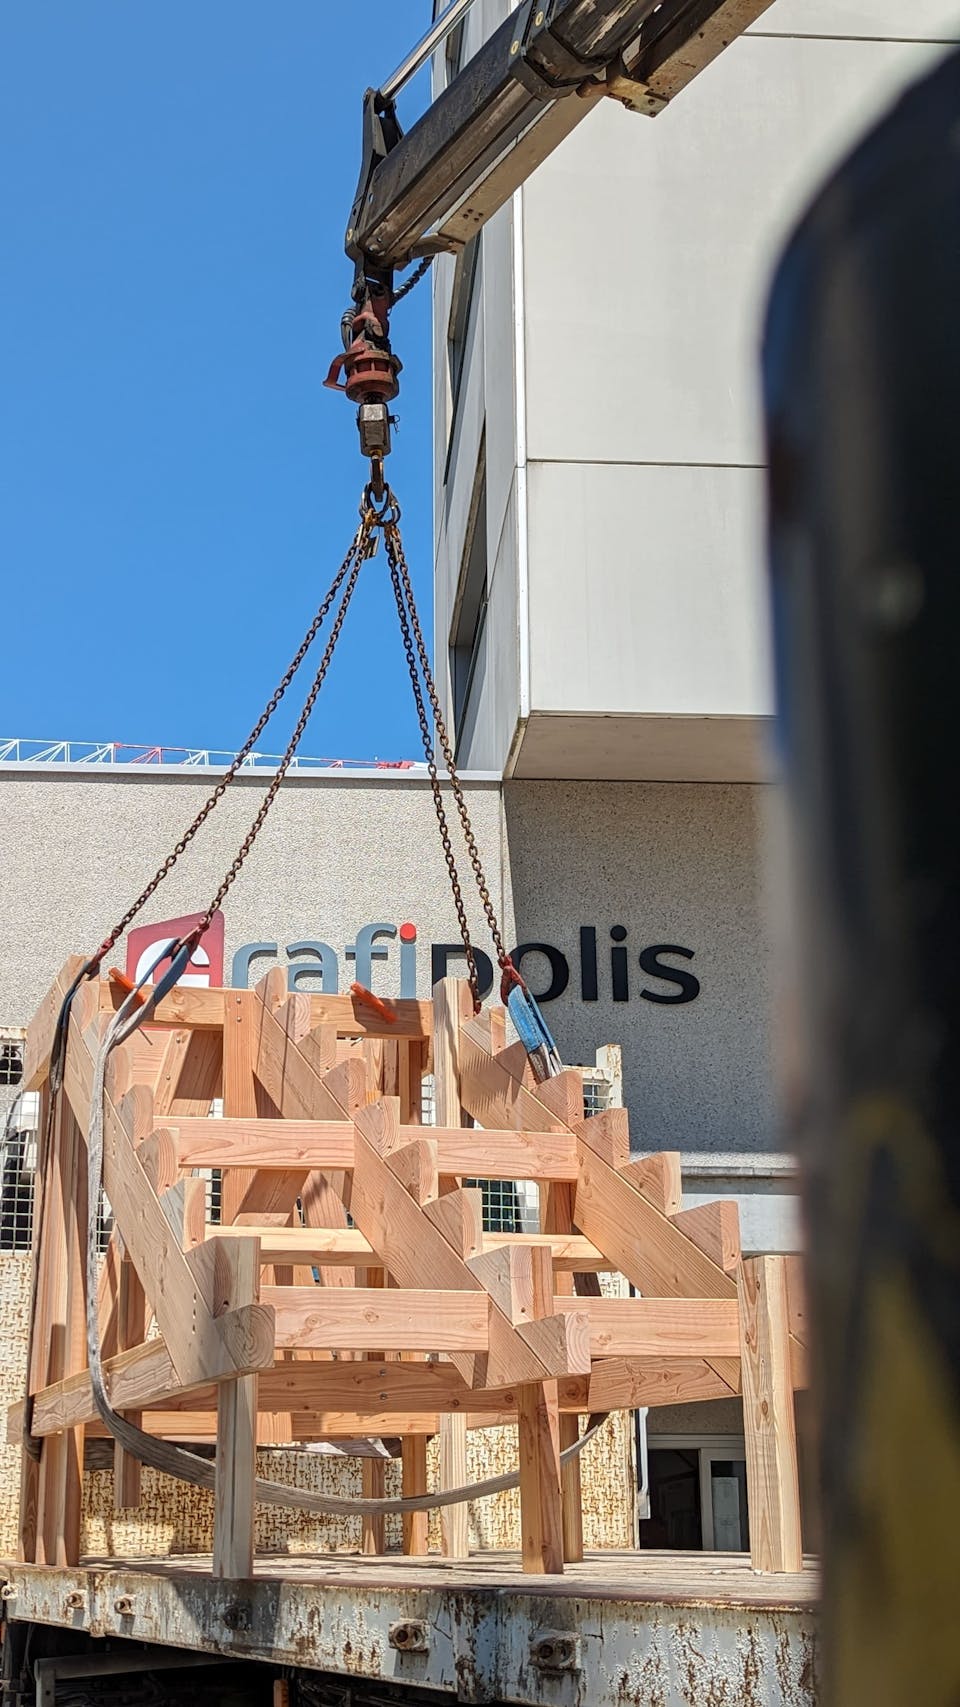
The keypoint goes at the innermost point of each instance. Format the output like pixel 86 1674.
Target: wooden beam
pixel 358 1319
pixel 769 1428
pixel 659 1327
pixel 492 1095
pixel 622 1383
pixel 715 1230
pixel 457 1216
pixel 327 1145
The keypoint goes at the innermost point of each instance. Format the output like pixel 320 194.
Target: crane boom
pixel 431 189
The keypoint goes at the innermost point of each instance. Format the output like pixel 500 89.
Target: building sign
pixel 606 963
pixel 148 941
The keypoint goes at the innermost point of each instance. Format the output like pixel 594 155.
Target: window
pixel 11 1062
pixel 470 606
pixel 697 1494
pixel 466 272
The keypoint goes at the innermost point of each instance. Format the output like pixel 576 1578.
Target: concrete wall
pixel 674 865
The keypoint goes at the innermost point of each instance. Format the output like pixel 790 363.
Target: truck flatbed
pixel 626 1627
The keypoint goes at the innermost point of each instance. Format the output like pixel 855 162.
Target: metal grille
pixel 18 1162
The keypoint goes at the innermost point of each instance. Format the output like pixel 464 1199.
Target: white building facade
pixel 599 460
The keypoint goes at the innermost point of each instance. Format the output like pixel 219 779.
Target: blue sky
pixel 177 487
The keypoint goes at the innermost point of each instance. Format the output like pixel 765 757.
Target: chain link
pixel 359 542
pixel 373 521
pixel 401 573
pixel 430 756
pixel 365 546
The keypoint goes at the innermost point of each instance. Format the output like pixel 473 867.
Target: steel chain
pixel 395 556
pixel 363 533
pixel 366 544
pixel 430 756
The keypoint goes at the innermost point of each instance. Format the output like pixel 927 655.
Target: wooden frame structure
pixel 350 1289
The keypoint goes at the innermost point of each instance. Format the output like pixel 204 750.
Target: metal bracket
pixel 533 21
pixel 555 1651
pixel 632 94
pixel 409 1636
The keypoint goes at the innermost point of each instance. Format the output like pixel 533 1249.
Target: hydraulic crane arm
pixel 526 89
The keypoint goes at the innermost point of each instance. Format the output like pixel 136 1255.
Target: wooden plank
pixel 773 1485
pixel 627 1383
pixel 659 1327
pixel 658 1179
pixel 491 1094
pixel 457 1216
pixel 299 1092
pixel 715 1230
pixel 357 1319
pixel 327 1146
pixel 199 1007
pixel 194 1006
pixel 452 1004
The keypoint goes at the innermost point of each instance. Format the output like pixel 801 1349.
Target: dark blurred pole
pixel 862 386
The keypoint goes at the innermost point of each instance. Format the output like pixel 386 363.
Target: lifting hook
pixel 371 372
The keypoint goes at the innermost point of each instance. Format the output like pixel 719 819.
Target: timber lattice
pixel 350 1288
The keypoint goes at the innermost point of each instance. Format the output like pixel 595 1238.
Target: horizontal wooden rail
pixel 277 1145
pixel 334 1247
pixel 202 1009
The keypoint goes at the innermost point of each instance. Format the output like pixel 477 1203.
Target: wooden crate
pixel 349 1287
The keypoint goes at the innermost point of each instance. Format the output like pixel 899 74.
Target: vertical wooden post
pixel 237 1268
pixel 131 1329
pixel 415 1523
pixel 452 1003
pixel 131 1310
pixel 538 1440
pixel 773 1485
pixel 239 1085
pixel 556 1216
pixel 63 1348
pixel 373 1479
